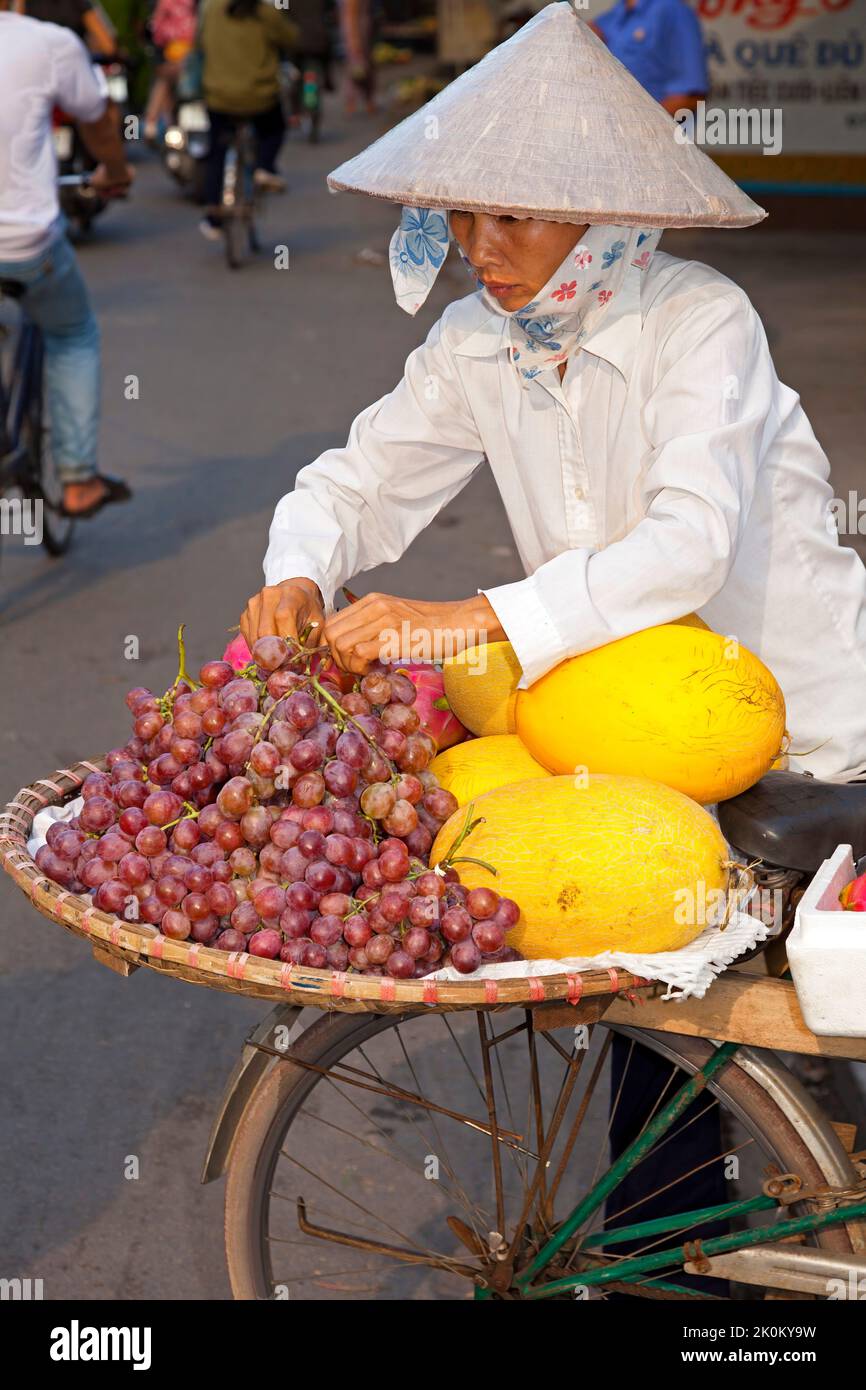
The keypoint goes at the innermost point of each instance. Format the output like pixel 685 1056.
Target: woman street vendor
pixel 650 461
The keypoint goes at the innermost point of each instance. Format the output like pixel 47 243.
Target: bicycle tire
pixel 234 237
pixel 42 484
pixel 275 1103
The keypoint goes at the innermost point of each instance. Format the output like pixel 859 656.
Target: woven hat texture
pixel 549 125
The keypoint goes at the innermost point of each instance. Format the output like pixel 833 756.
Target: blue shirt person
pixel 660 43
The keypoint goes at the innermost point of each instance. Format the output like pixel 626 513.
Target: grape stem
pixel 335 704
pixel 359 906
pixel 181 662
pixel 193 813
pixel 452 857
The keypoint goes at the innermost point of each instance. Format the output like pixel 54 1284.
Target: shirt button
pixel 580 494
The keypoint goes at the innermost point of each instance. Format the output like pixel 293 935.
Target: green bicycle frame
pixel 632 1270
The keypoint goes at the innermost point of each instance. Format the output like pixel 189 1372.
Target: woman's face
pixel 513 256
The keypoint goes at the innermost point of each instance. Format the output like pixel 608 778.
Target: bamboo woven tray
pixel 124 946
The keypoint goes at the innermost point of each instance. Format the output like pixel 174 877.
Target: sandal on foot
pixel 116 490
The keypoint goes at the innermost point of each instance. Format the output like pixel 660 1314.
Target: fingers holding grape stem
pixel 276 811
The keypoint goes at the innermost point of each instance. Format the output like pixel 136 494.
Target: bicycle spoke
pixel 577 1123
pixel 464 1200
pixel 538 1107
pixel 472 1210
pixel 673 1183
pixel 351 1200
pixel 398 1156
pixel 494 1126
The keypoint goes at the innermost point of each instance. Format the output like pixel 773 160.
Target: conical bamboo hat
pixel 549 125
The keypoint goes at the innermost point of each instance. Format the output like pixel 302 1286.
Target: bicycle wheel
pixel 235 238
pixel 41 483
pixel 403 1108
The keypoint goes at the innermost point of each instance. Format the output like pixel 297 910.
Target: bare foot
pixel 77 497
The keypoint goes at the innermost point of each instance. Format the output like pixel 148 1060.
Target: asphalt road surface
pixel 241 379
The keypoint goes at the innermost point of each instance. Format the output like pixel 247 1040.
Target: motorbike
pixel 80 203
pixel 185 145
pixel 302 87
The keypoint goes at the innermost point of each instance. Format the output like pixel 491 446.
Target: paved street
pixel 242 379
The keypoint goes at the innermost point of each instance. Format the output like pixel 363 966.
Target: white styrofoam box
pixel 827 953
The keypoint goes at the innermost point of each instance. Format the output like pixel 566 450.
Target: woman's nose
pixel 483 248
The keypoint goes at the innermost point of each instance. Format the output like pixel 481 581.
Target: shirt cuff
pixel 529 627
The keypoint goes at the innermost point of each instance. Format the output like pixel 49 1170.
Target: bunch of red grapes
pixel 271 811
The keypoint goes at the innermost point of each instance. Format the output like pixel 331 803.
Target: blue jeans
pixel 56 299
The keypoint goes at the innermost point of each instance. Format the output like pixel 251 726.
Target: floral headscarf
pixel 564 312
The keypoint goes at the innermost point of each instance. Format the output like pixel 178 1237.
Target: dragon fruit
pixel 437 718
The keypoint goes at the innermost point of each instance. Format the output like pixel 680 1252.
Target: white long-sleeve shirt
pixel 41 66
pixel 669 472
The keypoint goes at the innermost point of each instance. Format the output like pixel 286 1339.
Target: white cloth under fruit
pixel 689 971
pixel 670 471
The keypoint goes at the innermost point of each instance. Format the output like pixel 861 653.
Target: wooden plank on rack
pixel 760 1011
pixel 113 959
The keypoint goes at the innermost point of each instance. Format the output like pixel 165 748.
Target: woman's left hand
pixel 382 626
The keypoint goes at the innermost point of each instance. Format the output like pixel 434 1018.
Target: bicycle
pixel 26 460
pixel 302 102
pixel 503 1202
pixel 240 198
pixel 457 1162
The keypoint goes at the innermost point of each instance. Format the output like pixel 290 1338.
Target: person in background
pixel 314 19
pixel 242 42
pixel 173 28
pixel 357 34
pixel 84 18
pixel 43 65
pixel 660 43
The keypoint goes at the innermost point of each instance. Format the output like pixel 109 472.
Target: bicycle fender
pixel 248 1071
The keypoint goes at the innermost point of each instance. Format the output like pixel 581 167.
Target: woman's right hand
pixel 284 610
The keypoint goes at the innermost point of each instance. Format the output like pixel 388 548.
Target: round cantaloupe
pixel 595 864
pixel 481 685
pixel 480 764
pixel 685 706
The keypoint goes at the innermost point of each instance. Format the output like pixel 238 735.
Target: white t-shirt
pixel 41 66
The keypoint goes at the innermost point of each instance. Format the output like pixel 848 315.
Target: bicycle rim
pixel 416 1179
pixel 43 484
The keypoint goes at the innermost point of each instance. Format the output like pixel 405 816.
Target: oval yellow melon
pixel 606 863
pixel 682 705
pixel 480 686
pixel 479 764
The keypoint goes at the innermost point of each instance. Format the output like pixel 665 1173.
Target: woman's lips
pixel 499 291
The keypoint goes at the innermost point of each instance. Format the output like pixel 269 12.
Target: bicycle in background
pixel 240 196
pixel 26 460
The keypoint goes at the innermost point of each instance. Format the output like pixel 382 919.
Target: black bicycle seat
pixel 12 289
pixel 794 821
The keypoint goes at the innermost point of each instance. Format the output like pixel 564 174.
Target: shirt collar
pixel 615 339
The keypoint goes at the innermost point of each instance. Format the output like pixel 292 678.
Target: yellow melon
pixel 479 764
pixel 480 686
pixel 595 864
pixel 685 706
